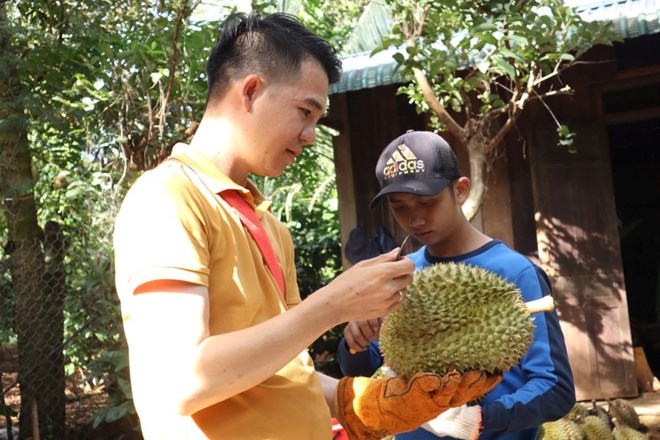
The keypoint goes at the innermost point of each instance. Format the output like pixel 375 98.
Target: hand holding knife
pixel 398 257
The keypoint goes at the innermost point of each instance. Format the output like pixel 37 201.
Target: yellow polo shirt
pixel 173 225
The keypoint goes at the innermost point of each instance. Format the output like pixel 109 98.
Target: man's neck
pixel 214 138
pixel 466 239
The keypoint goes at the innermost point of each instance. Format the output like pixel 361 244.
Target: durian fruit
pixel 578 412
pixel 625 413
pixel 562 429
pixel 623 432
pixel 599 412
pixel 595 428
pixel 457 317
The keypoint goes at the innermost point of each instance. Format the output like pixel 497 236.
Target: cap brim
pixel 419 187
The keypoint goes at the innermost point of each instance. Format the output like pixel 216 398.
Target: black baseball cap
pixel 417 162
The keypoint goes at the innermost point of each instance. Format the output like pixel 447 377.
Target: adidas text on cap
pixel 417 162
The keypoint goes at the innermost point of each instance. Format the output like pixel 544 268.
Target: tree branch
pixel 181 14
pixel 502 132
pixel 515 109
pixel 435 105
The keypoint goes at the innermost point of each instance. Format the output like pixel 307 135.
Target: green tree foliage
pixel 336 20
pixel 107 88
pixel 481 63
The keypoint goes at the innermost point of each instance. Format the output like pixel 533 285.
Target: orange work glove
pixel 374 408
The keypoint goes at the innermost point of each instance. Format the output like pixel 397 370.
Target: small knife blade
pixel 405 240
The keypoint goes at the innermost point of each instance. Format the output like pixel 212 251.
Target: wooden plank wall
pixel 577 236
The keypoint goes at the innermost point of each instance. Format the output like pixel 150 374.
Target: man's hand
pixel 374 408
pixel 370 289
pixel 462 423
pixel 359 334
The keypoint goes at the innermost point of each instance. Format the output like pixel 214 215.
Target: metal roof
pixel 632 18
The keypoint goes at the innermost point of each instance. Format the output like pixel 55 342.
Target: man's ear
pixel 461 189
pixel 250 88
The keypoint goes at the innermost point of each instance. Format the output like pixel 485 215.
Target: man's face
pixel 285 119
pixel 430 219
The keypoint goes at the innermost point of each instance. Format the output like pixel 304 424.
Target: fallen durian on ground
pixel 457 317
pixel 624 412
pixel 597 424
pixel 562 429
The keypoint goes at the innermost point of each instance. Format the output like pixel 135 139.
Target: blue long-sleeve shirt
pixel 539 389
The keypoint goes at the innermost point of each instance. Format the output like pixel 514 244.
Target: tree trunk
pixel 475 144
pixel 52 402
pixel 37 382
pixel 476 151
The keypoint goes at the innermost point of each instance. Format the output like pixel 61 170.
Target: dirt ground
pixel 81 404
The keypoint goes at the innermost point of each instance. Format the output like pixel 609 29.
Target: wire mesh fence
pixel 57 381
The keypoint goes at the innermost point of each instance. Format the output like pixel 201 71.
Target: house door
pixel 635 153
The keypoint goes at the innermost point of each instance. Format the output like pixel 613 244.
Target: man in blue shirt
pixel 419 177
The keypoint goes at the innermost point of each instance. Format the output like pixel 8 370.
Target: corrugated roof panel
pixel 362 71
pixel 632 18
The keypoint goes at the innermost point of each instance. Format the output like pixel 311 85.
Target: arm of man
pixel 329 386
pixel 201 370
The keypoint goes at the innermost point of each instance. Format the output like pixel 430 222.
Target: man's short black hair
pixel 273 46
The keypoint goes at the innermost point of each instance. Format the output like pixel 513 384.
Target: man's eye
pixel 305 112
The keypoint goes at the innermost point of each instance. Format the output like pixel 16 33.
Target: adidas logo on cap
pixel 403 161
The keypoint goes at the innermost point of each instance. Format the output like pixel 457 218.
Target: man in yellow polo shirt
pixel 217 332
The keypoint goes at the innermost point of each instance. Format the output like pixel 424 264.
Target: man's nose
pixel 416 219
pixel 308 135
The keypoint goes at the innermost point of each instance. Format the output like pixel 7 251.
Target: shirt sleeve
pixel 541 388
pixel 159 234
pixel 364 363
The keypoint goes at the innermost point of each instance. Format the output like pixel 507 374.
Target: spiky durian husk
pixel 578 412
pixel 623 432
pixel 624 412
pixel 457 317
pixel 599 412
pixel 595 428
pixel 562 429
pixel 550 431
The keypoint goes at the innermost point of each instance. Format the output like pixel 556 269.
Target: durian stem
pixel 545 304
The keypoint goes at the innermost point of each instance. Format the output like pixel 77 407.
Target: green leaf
pixel 483 66
pixel 155 77
pixel 518 39
pixel 510 54
pixel 506 67
pixel 115 413
pixel 485 27
pixel 485 39
pixel 563 130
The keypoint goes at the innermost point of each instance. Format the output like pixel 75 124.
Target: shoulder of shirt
pixel 418 257
pixel 166 177
pixel 276 223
